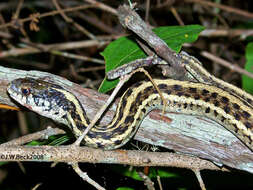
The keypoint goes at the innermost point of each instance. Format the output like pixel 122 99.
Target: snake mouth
pixel 14 94
pixel 12 88
pixel 13 91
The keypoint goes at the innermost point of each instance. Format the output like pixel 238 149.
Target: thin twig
pixel 133 22
pixel 147 181
pixel 70 20
pixel 222 7
pixel 79 57
pixel 147 10
pixel 36 186
pixel 103 6
pixel 159 182
pixel 225 63
pixel 51 47
pixel 165 3
pixel 242 33
pixel 97 22
pixel 85 176
pixel 44 134
pixel 200 180
pixel 52 13
pixel 91 69
pixel 22 123
pixel 122 81
pixel 176 15
pixel 16 15
pixel 7 107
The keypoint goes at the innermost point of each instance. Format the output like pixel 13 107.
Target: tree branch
pixel 90 155
pixel 197 136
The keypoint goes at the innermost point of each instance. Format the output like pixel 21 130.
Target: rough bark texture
pixel 186 134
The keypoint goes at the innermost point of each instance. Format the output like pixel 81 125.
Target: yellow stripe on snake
pixel 222 102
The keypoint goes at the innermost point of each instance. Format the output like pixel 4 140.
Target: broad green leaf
pixel 247 82
pixel 107 85
pixel 124 188
pixel 125 49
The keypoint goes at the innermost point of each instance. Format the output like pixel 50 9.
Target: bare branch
pixel 90 155
pixel 183 133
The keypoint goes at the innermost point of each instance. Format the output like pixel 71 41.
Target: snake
pixel 210 97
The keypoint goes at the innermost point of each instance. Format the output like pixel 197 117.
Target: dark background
pixel 54 29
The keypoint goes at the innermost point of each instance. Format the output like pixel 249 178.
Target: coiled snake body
pixel 186 97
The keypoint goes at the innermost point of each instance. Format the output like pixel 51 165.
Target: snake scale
pixel 210 97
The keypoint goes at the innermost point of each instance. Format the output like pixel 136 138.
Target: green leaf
pixel 124 188
pixel 3 163
pixel 107 85
pixel 129 173
pixel 53 140
pixel 59 140
pixel 125 49
pixel 153 172
pixel 35 143
pixel 163 173
pixel 247 82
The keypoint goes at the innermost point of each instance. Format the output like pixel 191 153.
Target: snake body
pixel 194 98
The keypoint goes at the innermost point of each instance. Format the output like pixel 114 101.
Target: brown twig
pixel 91 69
pixel 52 13
pixel 97 22
pixel 222 7
pixel 147 10
pixel 159 182
pixel 19 61
pixel 182 133
pixel 90 155
pixel 51 47
pixel 103 6
pixel 176 15
pixel 44 134
pixel 70 20
pixel 133 22
pixel 78 57
pixel 165 3
pixel 85 176
pixel 147 181
pixel 225 63
pixel 200 180
pixel 122 81
pixel 243 33
pixel 16 15
pixel 22 123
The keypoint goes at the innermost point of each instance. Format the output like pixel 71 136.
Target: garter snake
pixel 211 97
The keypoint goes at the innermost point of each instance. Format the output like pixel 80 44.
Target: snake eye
pixel 26 91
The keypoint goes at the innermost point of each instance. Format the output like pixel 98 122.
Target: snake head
pixel 29 91
pixel 39 96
